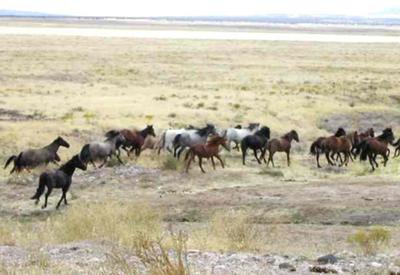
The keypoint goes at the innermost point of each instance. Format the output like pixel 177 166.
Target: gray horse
pixel 102 150
pixel 32 158
pixel 192 137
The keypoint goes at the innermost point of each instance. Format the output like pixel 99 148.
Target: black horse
pixel 35 157
pixel 258 141
pixel 60 178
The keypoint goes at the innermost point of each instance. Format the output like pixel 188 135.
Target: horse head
pixel 78 163
pixel 111 134
pixel 253 126
pixel 264 131
pixel 295 135
pixel 150 130
pixel 62 142
pixel 340 132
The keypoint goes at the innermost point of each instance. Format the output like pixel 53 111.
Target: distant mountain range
pixel 389 16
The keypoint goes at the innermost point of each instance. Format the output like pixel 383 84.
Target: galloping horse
pixel 282 144
pixel 257 141
pixel 192 137
pixel 60 178
pixel 317 147
pixel 168 136
pixel 134 139
pixel 98 150
pixel 237 133
pixel 377 146
pixel 35 157
pixel 208 150
pixel 337 145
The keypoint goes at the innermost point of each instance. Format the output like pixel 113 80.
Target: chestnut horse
pixel 337 145
pixel 377 146
pixel 360 138
pixel 208 150
pixel 282 144
pixel 317 147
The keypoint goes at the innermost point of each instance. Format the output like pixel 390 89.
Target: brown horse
pixel 337 145
pixel 282 144
pixel 150 142
pixel 317 147
pixel 134 139
pixel 360 138
pixel 372 147
pixel 208 150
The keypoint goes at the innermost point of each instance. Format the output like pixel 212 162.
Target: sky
pixel 143 8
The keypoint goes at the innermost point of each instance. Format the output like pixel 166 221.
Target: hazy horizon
pixel 223 8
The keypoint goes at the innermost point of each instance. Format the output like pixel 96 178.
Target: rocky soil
pixel 86 255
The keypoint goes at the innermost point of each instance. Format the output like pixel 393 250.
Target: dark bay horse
pixel 35 157
pixel 208 150
pixel 134 139
pixel 337 145
pixel 257 141
pixel 318 146
pixel 360 138
pixel 60 178
pixel 372 147
pixel 282 144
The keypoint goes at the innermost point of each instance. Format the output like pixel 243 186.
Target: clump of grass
pixel 271 172
pixel 160 259
pixel 89 116
pixel 170 163
pixel 172 115
pixel 200 105
pixel 160 98
pixel 68 116
pixel 233 230
pixel 111 221
pixel 370 241
pixel 6 236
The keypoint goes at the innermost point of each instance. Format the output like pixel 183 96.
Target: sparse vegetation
pixel 370 241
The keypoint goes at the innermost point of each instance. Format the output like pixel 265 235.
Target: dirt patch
pixel 14 115
pixel 361 121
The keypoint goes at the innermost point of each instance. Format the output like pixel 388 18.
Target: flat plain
pixel 80 87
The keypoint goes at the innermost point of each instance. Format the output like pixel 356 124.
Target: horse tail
pixel 364 147
pixel 314 147
pixel 176 140
pixel 85 153
pixel 13 157
pixel 41 187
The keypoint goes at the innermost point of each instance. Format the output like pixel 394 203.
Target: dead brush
pixel 160 259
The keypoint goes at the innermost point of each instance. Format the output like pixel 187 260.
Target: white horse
pixel 168 136
pixel 238 133
pixel 191 137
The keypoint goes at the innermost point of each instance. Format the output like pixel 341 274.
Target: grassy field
pixel 81 87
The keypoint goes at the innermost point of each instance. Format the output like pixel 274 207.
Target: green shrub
pixel 370 241
pixel 170 163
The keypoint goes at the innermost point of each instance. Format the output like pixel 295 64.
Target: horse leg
pixel 104 162
pixel 244 149
pixel 317 157
pixel 220 160
pixel 288 158
pixel 192 156
pixel 371 162
pixel 62 198
pixel 328 159
pixel 255 154
pixel 350 156
pixel 271 158
pixel 374 159
pixel 49 189
pixel 119 159
pixel 92 162
pixel 385 160
pixel 212 161
pixel 201 166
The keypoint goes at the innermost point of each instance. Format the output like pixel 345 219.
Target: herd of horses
pixel 203 143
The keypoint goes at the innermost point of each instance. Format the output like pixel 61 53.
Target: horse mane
pixel 203 131
pixel 340 132
pixel 214 139
pixel 111 134
pixel 252 126
pixel 385 133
